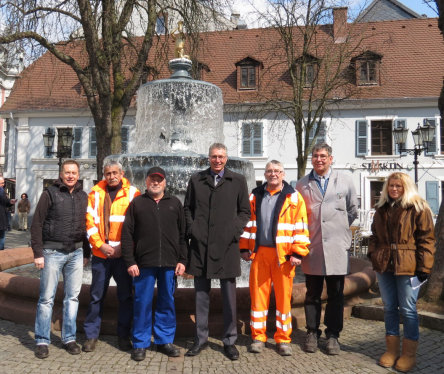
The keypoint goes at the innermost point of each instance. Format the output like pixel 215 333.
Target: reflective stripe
pixel 283 327
pixel 132 191
pixel 259 314
pixel 96 207
pixel 294 197
pixel 301 239
pixel 284 239
pixel 258 325
pixel 301 226
pixel 251 197
pixel 92 231
pixel 284 316
pixel 248 235
pixel 113 244
pixel 251 224
pixel 116 218
pixel 285 226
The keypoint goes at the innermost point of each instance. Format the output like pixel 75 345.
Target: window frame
pixel 253 138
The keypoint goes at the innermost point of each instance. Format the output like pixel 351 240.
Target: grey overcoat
pixel 329 220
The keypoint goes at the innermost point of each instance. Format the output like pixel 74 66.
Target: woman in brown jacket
pixel 401 249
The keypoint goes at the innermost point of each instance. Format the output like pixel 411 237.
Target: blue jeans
pixel 71 266
pixel 2 239
pixel 165 314
pixel 102 270
pixel 399 296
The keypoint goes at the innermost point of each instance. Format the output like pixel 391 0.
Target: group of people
pixel 144 239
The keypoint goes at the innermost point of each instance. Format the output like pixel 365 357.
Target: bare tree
pixel 316 57
pixel 98 40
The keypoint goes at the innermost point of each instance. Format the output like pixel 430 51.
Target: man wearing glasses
pixel 275 239
pixel 332 207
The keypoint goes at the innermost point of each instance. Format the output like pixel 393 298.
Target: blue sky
pixel 419 7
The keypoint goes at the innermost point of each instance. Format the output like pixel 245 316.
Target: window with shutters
pixel 381 137
pixel 92 142
pixel 252 139
pixel 124 132
pixel 432 195
pixel 432 147
pixel 361 137
pixel 77 142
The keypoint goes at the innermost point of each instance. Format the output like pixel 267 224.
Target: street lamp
pixel 64 144
pixel 422 137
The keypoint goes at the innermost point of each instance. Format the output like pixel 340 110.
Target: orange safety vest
pixel 292 228
pixel 94 217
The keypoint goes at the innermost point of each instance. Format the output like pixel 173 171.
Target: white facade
pixel 28 164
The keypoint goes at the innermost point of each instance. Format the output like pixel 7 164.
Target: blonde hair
pixel 410 197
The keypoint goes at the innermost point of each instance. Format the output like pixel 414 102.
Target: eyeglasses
pixel 277 172
pixel 322 157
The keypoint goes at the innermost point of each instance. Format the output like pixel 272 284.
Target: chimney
pixel 340 24
pixel 235 18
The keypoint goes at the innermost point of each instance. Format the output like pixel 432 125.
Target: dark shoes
pixel 195 349
pixel 333 347
pixel 168 349
pixel 89 345
pixel 124 343
pixel 311 342
pixel 41 351
pixel 231 352
pixel 72 348
pixel 138 354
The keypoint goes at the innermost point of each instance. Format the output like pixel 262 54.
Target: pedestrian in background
pixel 401 248
pixel 23 207
pixel 5 204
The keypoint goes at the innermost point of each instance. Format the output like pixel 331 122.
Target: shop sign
pixel 376 166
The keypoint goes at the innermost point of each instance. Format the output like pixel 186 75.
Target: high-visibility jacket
pixel 94 217
pixel 290 224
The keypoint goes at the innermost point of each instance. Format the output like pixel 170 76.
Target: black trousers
pixel 334 311
pixel 202 287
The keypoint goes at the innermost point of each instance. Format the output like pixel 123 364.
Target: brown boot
pixel 389 358
pixel 408 357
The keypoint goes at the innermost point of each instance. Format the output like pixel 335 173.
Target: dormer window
pixel 309 75
pixel 247 74
pixel 367 66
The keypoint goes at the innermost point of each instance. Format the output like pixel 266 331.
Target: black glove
pixel 421 276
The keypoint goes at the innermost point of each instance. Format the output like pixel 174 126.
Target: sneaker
pixel 256 347
pixel 124 343
pixel 311 342
pixel 333 347
pixel 284 349
pixel 41 351
pixel 72 348
pixel 89 345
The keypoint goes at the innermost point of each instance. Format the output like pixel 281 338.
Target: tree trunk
pixel 435 287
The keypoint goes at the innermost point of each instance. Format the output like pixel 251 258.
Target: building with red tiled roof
pixel 392 79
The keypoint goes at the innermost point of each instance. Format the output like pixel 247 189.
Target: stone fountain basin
pixel 19 295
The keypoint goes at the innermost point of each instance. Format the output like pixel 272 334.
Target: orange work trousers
pixel 264 271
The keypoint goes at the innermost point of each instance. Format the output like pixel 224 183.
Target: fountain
pixel 177 120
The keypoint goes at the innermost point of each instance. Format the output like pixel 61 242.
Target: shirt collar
pixel 318 177
pixel 220 174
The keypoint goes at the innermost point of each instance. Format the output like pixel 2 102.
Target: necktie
pixel 216 179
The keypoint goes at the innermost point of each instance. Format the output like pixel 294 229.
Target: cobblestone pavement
pixel 362 342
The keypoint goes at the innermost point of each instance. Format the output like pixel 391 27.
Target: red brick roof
pixel 412 55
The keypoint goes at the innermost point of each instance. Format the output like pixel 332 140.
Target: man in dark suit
pixel 217 209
